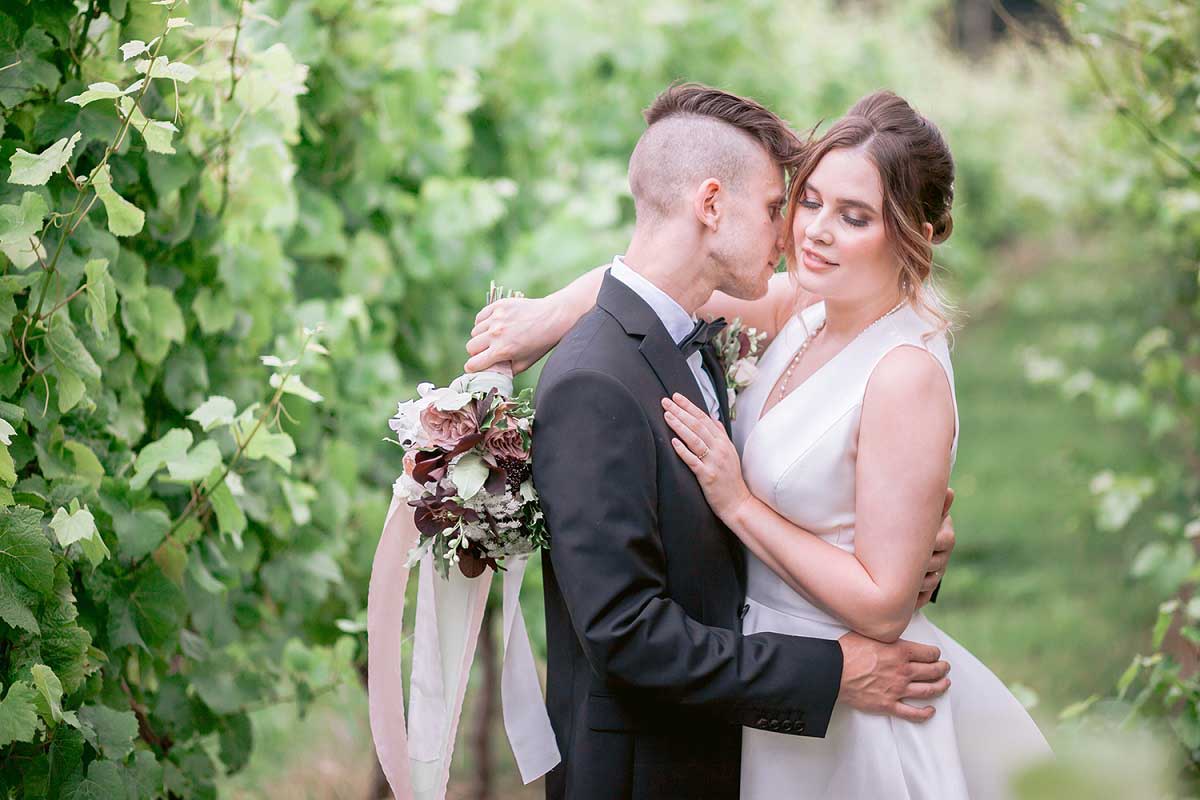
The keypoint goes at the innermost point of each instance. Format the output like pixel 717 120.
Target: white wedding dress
pixel 800 459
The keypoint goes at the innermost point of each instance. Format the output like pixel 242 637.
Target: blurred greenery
pixel 371 166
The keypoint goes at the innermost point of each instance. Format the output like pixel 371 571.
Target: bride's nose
pixel 818 231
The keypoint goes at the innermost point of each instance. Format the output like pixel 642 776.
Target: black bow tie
pixel 701 335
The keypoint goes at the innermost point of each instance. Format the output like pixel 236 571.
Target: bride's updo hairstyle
pixel 916 172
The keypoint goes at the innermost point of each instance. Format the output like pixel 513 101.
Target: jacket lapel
pixel 668 363
pixel 713 365
pixel 657 347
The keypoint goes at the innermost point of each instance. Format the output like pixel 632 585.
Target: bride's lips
pixel 815 261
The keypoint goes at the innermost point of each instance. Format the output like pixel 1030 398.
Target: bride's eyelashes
pixel 814 205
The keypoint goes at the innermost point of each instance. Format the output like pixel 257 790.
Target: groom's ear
pixel 705 203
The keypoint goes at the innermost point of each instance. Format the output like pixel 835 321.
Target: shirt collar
pixel 678 322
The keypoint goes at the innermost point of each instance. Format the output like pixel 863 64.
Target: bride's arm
pixel 904 443
pixel 522 330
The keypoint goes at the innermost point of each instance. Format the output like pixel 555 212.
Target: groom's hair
pixel 696 132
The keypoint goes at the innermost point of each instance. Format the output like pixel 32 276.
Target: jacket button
pixel 799 727
pixel 762 722
pixel 786 727
pixel 744 611
pixel 774 724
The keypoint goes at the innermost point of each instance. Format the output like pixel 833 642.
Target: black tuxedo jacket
pixel 649 677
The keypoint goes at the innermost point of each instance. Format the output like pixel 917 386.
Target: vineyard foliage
pixel 235 233
pixel 1144 59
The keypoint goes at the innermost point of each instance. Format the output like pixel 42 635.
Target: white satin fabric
pixel 800 459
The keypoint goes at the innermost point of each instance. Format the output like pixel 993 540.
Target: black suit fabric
pixel 649 677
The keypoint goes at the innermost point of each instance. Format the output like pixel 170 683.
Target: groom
pixel 650 678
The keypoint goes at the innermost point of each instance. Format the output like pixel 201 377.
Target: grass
pixel 1034 590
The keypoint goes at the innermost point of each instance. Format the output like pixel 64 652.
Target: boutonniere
pixel 738 349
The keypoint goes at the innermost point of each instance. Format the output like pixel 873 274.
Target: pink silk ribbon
pixel 416 758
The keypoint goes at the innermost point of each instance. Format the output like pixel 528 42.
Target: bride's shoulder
pixel 909 376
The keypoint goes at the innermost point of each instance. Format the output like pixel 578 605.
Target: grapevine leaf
pixel 18 714
pixel 34 169
pixel 104 781
pixel 27 70
pixel 149 612
pixel 293 385
pixel 277 447
pixel 153 320
pixel 102 296
pixel 7 431
pixel 25 550
pixel 8 470
pixel 97 91
pixel 157 133
pixel 50 693
pixel 16 605
pixel 109 731
pixel 140 531
pixel 73 364
pixel 124 218
pixel 173 446
pixel 80 526
pixel 164 67
pixel 135 48
pixel 19 223
pixel 214 412
pixel 201 460
pixel 214 312
pixel 230 518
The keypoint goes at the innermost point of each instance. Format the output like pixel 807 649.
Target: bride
pixel 841 449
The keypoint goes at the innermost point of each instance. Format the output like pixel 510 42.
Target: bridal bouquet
pixel 464 497
pixel 467 472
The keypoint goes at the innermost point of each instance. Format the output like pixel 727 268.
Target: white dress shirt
pixel 678 323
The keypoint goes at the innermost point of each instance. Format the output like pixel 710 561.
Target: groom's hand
pixel 876 677
pixel 943 545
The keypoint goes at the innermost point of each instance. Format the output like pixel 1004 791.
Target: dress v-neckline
pixel 763 411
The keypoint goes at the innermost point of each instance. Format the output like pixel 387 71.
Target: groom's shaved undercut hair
pixel 696 132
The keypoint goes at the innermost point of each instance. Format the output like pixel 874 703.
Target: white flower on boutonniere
pixel 738 348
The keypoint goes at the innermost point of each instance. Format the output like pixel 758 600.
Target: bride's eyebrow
pixel 843 201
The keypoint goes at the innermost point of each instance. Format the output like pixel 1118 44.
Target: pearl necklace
pixel 787 376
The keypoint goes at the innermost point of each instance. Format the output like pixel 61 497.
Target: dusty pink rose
pixel 505 442
pixel 447 428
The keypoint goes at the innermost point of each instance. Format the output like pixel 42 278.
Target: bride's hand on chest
pixel 703 445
